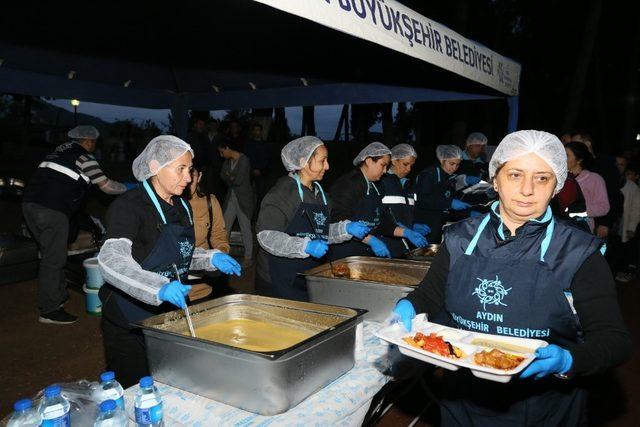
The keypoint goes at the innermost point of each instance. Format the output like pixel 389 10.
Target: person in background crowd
pixel 580 163
pixel 400 201
pixel 197 138
pixel 240 199
pixel 148 254
pixel 605 166
pixel 630 220
pixel 211 164
pixel 209 229
pixel 54 195
pixel 518 271
pixel 293 226
pixel 257 150
pixel 434 189
pixel 235 137
pixel 208 220
pixel 473 162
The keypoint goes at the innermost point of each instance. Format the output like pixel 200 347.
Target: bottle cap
pixel 146 382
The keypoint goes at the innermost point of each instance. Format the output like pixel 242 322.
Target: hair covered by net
pixel 476 138
pixel 296 154
pixel 445 152
pixel 402 151
pixel 83 132
pixel 375 149
pixel 158 153
pixel 544 144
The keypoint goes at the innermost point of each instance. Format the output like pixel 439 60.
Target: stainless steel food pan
pixel 266 383
pixel 376 284
pixel 424 254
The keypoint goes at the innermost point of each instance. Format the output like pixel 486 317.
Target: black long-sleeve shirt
pixel 606 339
pixel 347 193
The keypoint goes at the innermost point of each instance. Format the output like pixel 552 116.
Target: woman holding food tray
pixel 518 271
pixel 294 230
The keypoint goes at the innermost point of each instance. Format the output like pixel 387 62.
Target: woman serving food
pixel 518 271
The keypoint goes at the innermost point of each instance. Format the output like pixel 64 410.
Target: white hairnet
pixel 401 151
pixel 523 142
pixel 296 154
pixel 444 152
pixel 476 138
pixel 83 132
pixel 163 149
pixel 375 149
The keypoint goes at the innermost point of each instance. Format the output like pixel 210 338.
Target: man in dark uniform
pixel 55 194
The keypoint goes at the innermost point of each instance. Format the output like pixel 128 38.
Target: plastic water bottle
pixel 110 415
pixel 110 389
pixel 24 415
pixel 54 408
pixel 148 404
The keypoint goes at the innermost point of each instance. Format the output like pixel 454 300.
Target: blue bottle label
pixel 62 421
pixel 152 415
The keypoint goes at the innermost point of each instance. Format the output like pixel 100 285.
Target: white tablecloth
pixel 344 402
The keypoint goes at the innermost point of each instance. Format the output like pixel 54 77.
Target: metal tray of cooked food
pixel 264 355
pixel 424 254
pixel 492 357
pixel 374 284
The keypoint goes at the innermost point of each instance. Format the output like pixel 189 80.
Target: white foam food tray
pixel 469 342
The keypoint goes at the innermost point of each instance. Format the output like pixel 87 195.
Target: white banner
pixel 390 24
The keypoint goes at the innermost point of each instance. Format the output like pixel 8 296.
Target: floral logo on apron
pixel 320 218
pixel 185 248
pixel 491 292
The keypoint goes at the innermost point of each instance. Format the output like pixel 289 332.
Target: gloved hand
pixel 551 359
pixel 459 205
pixel 317 248
pixel 474 214
pixel 174 292
pixel 414 237
pixel 131 185
pixel 423 229
pixel 471 180
pixel 358 229
pixel 226 264
pixel 378 247
pixel 405 310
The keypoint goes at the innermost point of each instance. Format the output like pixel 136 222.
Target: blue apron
pixel 369 211
pixel 398 203
pixel 444 189
pixel 285 282
pixel 513 297
pixel 175 245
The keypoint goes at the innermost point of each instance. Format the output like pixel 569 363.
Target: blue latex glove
pixel 378 247
pixel 358 229
pixel 317 248
pixel 405 310
pixel 174 292
pixel 551 359
pixel 131 185
pixel 423 229
pixel 471 180
pixel 414 237
pixel 459 205
pixel 474 214
pixel 226 264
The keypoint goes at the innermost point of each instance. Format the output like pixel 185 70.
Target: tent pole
pixel 180 115
pixel 512 125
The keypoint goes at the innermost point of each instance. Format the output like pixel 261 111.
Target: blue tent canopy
pixel 279 60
